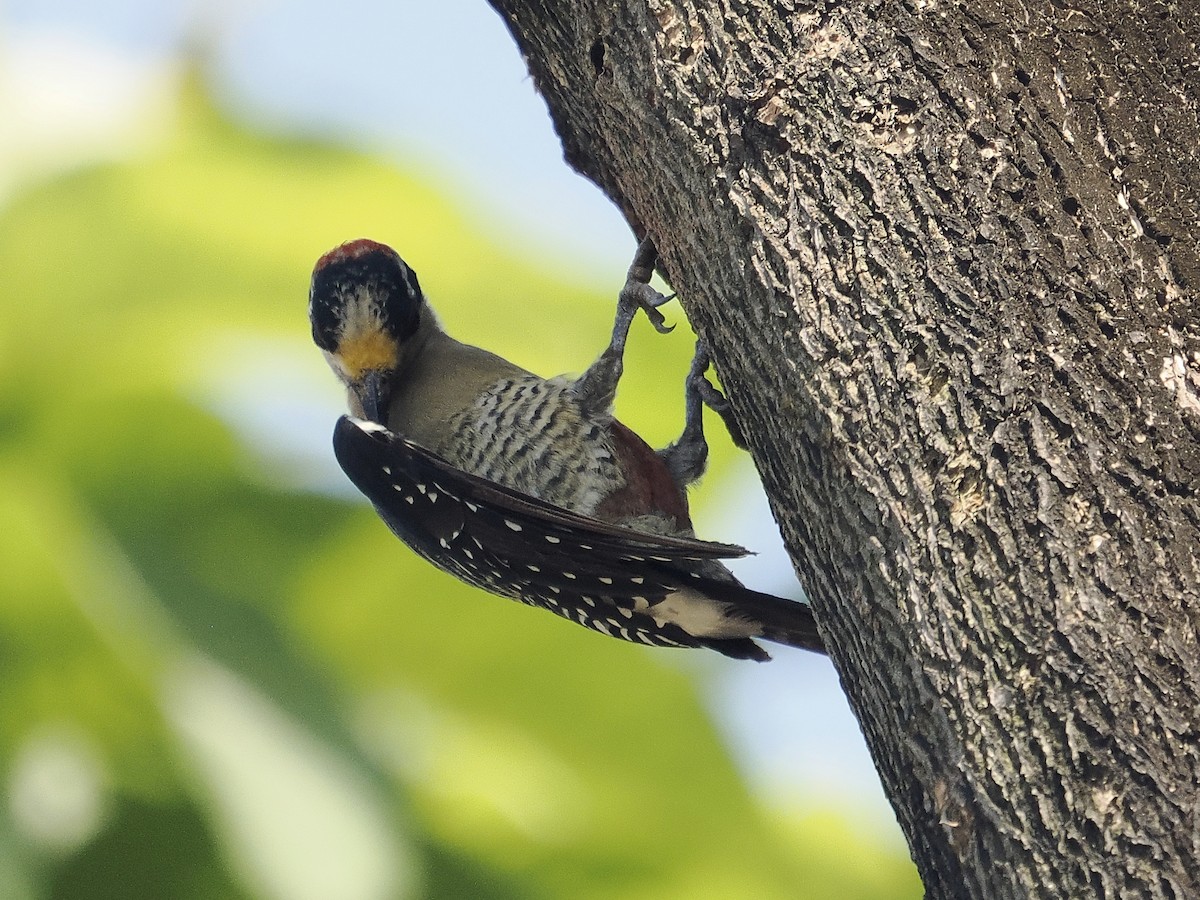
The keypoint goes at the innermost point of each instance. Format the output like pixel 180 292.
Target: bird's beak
pixel 373 393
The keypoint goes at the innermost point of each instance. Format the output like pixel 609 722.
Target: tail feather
pixel 737 648
pixel 788 622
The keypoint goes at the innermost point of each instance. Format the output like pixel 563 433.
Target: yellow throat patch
pixel 369 350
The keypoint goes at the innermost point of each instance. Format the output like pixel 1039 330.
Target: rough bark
pixel 946 257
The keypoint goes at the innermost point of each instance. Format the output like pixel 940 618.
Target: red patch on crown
pixel 354 249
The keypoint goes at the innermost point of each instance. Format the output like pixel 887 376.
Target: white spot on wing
pixel 511 524
pixel 366 425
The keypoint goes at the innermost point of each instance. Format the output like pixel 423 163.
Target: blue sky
pixel 441 88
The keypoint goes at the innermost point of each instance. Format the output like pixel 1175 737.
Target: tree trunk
pixel 945 255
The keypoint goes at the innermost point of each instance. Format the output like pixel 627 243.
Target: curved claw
pixel 656 318
pixel 658 321
pixel 640 294
pixel 637 290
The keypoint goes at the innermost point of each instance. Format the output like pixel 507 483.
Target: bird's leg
pixel 714 399
pixel 597 387
pixel 637 293
pixel 686 458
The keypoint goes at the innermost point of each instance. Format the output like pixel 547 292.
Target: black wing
pixel 383 464
pixel 598 574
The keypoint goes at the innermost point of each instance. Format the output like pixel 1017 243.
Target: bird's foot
pixel 704 391
pixel 637 292
pixel 597 387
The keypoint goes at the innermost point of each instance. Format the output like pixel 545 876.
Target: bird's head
pixel 365 305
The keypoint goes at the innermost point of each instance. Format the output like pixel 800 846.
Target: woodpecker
pixel 528 487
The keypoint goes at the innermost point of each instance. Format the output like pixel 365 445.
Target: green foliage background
pixel 217 682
